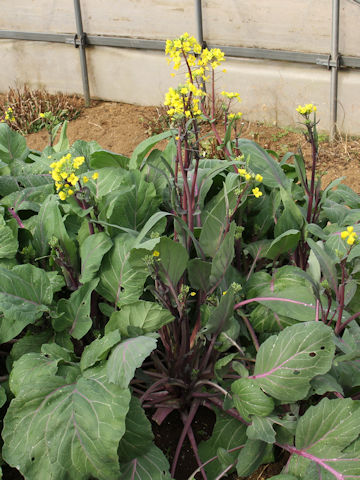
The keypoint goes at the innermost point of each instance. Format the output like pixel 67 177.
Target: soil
pixel 119 127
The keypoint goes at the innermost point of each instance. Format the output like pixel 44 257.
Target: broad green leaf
pixel 8 242
pixel 2 398
pixel 135 205
pixel 249 399
pixel 13 145
pixel 261 428
pixel 261 162
pixel 109 179
pixel 285 242
pixel 123 272
pixel 327 435
pixel 146 316
pixel 145 146
pixel 54 430
pixel 29 369
pixel 173 259
pixel 228 433
pixel 127 357
pixel 104 158
pixel 98 349
pixel 214 219
pixel 199 274
pixel 25 294
pixel 286 363
pixel 327 264
pixel 74 313
pixel 284 476
pixel 220 315
pixel 138 437
pixel 322 384
pixel 251 457
pixel 152 465
pixel 30 198
pixel 31 342
pixel 223 257
pixel 288 283
pixel 265 320
pixel 92 251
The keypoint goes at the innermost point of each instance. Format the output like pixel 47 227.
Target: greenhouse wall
pixel 270 89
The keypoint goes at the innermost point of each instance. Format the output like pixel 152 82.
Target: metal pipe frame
pixel 82 37
pixel 334 67
pixel 144 44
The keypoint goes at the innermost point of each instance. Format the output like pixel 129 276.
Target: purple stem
pixel 17 218
pixel 271 299
pixel 251 331
pixel 194 447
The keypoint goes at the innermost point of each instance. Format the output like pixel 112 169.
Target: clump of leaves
pixel 27 104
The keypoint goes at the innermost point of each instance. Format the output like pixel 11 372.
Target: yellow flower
pixel 247 177
pixel 257 193
pixel 42 115
pixel 258 177
pixel 95 176
pixel 242 171
pixel 306 109
pixel 156 253
pixel 350 235
pixel 62 195
pixel 192 294
pixel 224 292
pixel 85 179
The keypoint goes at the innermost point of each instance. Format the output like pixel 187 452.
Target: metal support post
pixel 199 23
pixel 334 68
pixel 82 45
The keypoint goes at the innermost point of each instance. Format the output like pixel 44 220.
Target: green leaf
pixel 214 219
pixel 173 260
pixel 144 147
pixel 8 242
pixel 13 145
pixel 98 349
pixel 220 315
pixel 31 342
pixel 199 274
pixel 153 465
pixel 109 179
pixel 263 319
pixel 146 316
pixel 285 242
pixel 249 399
pixel 123 272
pixel 223 257
pixel 328 436
pixel 261 162
pixel 127 357
pixel 105 158
pixel 250 457
pixel 228 433
pixel 74 313
pixel 30 368
pixel 138 436
pixel 261 429
pixel 327 264
pixel 63 143
pixel 284 476
pixel 286 363
pixel 25 294
pixel 57 430
pixel 2 398
pixel 92 251
pixel 133 206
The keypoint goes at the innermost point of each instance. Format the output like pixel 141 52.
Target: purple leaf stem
pixel 225 471
pixel 235 449
pixel 232 412
pixel 189 418
pixel 17 218
pixel 251 331
pixel 318 461
pixel 350 319
pixel 272 299
pixel 193 443
pixel 153 387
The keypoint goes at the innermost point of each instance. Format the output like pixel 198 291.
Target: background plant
pixel 27 104
pixel 169 280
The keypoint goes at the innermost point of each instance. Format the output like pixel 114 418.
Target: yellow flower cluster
pixel 214 57
pixel 63 173
pixel 257 193
pixel 9 115
pixel 306 109
pixel 182 45
pixel 248 176
pixel 236 116
pixel 231 95
pixel 350 235
pixel 184 100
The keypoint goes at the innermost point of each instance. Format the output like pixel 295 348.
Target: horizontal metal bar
pixel 140 43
